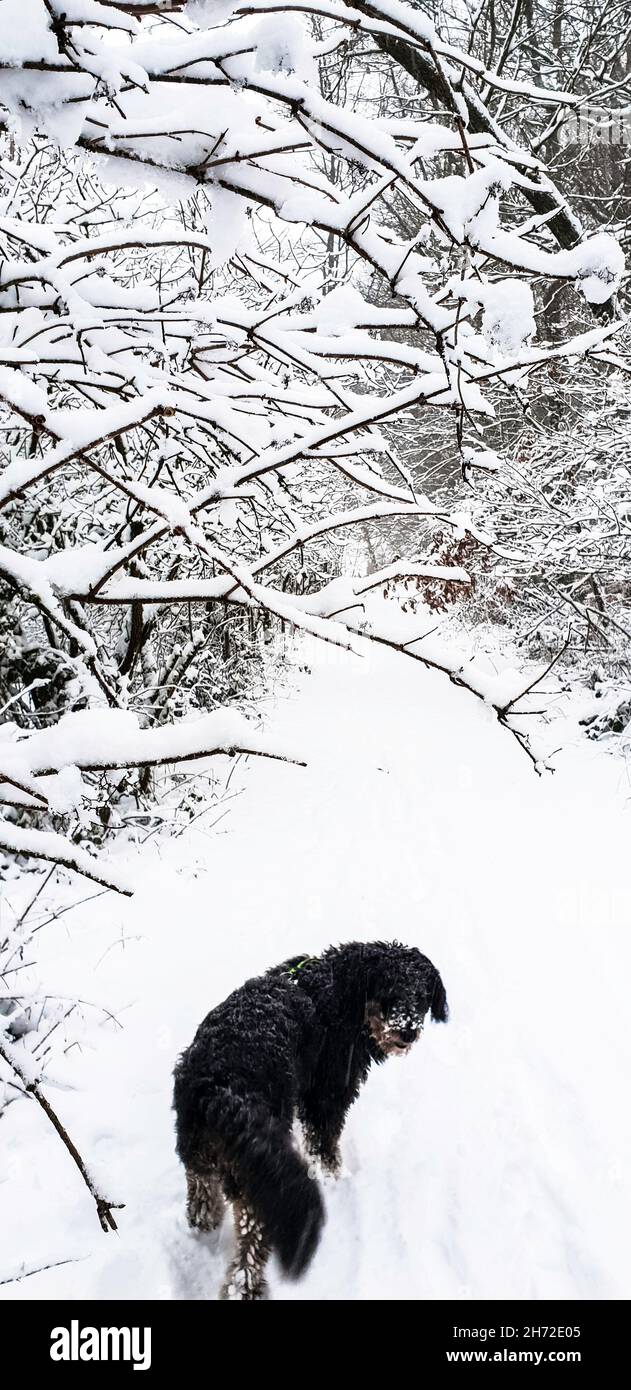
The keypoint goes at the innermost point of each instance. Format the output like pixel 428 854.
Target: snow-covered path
pixel 491 1162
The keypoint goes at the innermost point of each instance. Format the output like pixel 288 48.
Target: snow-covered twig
pixel 104 1207
pixel 48 845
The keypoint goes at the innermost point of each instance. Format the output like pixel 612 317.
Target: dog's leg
pixel 323 1108
pixel 245 1280
pixel 324 1149
pixel 322 1124
pixel 205 1203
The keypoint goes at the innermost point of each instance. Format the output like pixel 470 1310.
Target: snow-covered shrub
pixel 33 1024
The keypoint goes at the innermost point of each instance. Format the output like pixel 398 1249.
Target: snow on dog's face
pixel 393 1030
pixel 402 989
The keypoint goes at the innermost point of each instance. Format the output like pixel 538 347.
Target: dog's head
pixel 402 988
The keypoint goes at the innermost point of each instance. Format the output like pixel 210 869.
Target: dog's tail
pixel 270 1174
pixel 439 1006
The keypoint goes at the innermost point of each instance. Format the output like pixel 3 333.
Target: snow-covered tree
pixel 229 263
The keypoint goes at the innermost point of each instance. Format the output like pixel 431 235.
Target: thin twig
pixel 104 1207
pixel 55 1264
pixel 46 879
pixel 537 681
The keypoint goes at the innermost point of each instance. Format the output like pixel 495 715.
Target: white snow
pixel 481 458
pixel 111 738
pixel 494 1160
pixel 282 45
pixel 600 267
pixel 342 309
pixel 508 321
pixel 47 844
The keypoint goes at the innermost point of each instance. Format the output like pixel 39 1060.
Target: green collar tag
pixel 293 970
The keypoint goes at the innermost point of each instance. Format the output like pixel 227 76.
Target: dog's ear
pixel 438 1006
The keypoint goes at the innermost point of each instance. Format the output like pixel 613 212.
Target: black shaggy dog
pixel 296 1042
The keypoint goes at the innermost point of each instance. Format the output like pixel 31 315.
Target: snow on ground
pixel 491 1162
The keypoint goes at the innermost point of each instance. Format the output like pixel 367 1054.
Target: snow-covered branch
pixel 225 281
pixel 46 844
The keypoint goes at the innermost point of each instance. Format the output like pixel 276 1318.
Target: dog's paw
pixel 205 1206
pixel 326 1170
pixel 241 1287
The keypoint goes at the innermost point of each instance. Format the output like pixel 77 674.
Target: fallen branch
pixel 456 677
pixel 104 1207
pixel 40 1269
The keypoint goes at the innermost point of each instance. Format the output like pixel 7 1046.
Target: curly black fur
pixel 296 1042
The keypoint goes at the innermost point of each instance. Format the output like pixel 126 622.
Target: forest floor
pixel 494 1160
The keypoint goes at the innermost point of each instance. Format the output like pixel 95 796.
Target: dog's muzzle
pixel 393 1038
